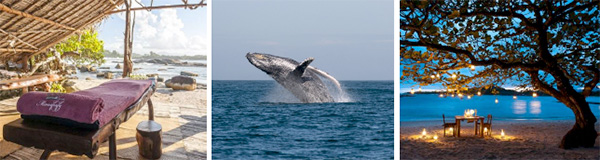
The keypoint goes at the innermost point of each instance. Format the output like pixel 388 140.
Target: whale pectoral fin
pixel 299 71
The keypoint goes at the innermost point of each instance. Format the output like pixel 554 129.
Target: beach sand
pixel 523 140
pixel 182 115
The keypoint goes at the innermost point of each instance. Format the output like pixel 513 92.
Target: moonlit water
pixel 430 107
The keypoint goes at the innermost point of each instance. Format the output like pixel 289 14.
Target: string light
pixel 437 75
pixel 432 76
pixel 452 95
pixel 453 76
pixel 460 95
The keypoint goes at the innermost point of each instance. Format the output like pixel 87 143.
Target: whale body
pixel 300 79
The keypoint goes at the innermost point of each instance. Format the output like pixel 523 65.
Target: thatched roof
pixel 29 27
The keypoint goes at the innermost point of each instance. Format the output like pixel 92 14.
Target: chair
pixel 446 125
pixel 488 125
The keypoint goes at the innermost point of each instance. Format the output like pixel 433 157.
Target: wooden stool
pixel 149 139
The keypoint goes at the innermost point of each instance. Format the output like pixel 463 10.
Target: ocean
pixel 257 120
pixel 430 107
pixel 150 68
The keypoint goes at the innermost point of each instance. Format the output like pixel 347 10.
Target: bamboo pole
pixel 158 7
pixel 16 50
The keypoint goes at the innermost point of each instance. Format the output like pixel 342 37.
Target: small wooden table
pixel 475 118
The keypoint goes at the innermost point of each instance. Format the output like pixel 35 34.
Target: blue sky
pixel 349 39
pixel 164 31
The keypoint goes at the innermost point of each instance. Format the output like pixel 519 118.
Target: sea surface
pixel 151 68
pixel 259 120
pixel 430 107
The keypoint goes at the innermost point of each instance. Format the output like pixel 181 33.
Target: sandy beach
pixel 182 115
pixel 523 140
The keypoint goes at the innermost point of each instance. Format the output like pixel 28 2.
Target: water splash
pixel 278 94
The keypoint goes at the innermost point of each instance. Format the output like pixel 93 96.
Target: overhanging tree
pixel 548 46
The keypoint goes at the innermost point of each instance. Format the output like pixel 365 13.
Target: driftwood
pixel 24 83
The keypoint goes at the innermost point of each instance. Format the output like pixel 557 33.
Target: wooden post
pixel 127 64
pixel 112 145
pixel 150 110
pixel 46 154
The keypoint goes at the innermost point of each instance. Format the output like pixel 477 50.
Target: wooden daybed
pixel 52 137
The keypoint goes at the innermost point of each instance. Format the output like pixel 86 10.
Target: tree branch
pixel 563 9
pixel 474 61
pixel 588 87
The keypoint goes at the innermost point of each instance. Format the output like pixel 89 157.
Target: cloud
pixel 161 33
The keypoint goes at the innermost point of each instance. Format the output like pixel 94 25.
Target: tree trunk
pixel 127 65
pixel 583 133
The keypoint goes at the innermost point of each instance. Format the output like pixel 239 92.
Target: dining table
pixel 476 119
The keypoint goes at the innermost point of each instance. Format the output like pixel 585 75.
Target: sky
pixel 164 31
pixel 349 39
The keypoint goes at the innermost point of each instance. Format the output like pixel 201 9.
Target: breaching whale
pixel 299 78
